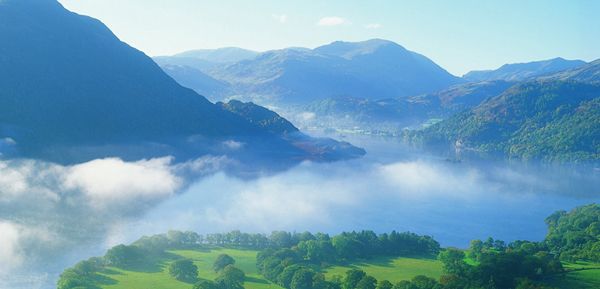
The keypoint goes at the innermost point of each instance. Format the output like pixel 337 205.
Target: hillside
pixel 551 121
pixel 195 79
pixel 371 69
pixel 390 116
pixel 205 59
pixel 71 91
pixel 524 71
pixel 320 148
pixel 587 73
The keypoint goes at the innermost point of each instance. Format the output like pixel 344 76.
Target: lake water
pixel 392 188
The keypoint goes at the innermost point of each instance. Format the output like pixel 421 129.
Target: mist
pixel 52 216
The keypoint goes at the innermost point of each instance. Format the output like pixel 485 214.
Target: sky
pixel 460 35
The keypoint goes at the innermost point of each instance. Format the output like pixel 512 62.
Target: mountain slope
pixel 371 69
pixel 320 148
pixel 462 96
pixel 221 55
pixel 70 90
pixel 391 115
pixel 553 121
pixel 524 71
pixel 206 59
pixel 587 73
pixel 197 80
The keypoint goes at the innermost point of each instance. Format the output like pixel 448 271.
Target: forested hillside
pixel 551 121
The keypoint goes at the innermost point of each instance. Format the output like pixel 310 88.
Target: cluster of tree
pixel 366 244
pixel 323 249
pixel 81 275
pixel 296 262
pixel 575 235
pixel 229 276
pixel 498 266
pixel 236 239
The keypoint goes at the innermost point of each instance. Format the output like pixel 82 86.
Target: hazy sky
pixel 459 35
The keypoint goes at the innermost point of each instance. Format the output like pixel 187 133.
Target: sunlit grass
pixel 160 278
pixel 392 269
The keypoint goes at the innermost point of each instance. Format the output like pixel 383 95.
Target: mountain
pixel 321 148
pixel 587 73
pixel 205 59
pixel 524 71
pixel 70 91
pixel 221 55
pixel 373 69
pixel 198 81
pixel 546 120
pixel 261 116
pixel 391 115
pixel 462 96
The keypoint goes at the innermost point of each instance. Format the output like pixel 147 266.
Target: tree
pixel 303 279
pixel 424 282
pixel 285 278
pixel 122 255
pixel 233 274
pixel 405 285
pixel 454 261
pixel 367 282
pixel 385 284
pixel 281 239
pixel 476 249
pixel 352 278
pixel 223 261
pixel 184 270
pixel 231 278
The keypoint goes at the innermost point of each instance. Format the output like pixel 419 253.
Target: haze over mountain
pixel 371 69
pixel 524 71
pixel 70 90
pixel 586 73
pixel 204 59
pixel 220 55
pixel 543 120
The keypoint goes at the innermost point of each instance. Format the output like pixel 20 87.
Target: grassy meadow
pixel 392 269
pixel 156 276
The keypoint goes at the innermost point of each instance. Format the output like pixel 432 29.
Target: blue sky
pixel 459 35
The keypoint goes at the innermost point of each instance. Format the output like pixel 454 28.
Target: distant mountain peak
pixel 220 55
pixel 352 49
pixel 524 71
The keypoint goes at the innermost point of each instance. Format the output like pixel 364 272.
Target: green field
pixel 157 277
pixel 392 269
pixel 579 275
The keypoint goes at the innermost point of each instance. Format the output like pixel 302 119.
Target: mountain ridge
pixel 71 91
pixel 525 70
pixel 370 69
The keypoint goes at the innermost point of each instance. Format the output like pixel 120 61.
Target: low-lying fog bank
pixel 52 216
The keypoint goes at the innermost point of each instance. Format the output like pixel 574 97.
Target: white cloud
pixel 332 21
pixel 115 180
pixel 420 179
pixel 281 18
pixel 306 116
pixel 27 179
pixel 233 145
pixel 9 250
pixel 373 26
